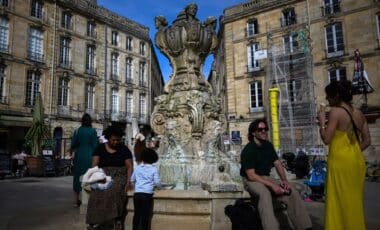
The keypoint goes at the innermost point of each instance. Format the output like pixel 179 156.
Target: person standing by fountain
pixel 140 144
pixel 257 159
pixel 144 178
pixel 83 144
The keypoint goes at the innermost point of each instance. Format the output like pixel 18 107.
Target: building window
pixel 3 2
pixel 288 17
pixel 142 107
pixel 37 7
pixel 63 91
pixel 115 38
pixel 2 84
pixel 66 20
pixel 294 89
pixel 114 66
pixel 337 74
pixel 129 104
pixel 91 29
pixel 89 96
pixel 378 28
pixel 90 60
pixel 129 43
pixel 142 74
pixel 252 27
pixel 32 87
pixel 253 65
pixel 64 58
pixel 4 34
pixel 334 40
pixel 291 43
pixel 114 101
pixel 128 70
pixel 35 44
pixel 331 7
pixel 142 48
pixel 256 96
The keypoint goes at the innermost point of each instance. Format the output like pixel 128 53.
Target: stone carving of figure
pixel 186 43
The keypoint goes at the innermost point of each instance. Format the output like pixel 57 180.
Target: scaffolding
pixel 290 70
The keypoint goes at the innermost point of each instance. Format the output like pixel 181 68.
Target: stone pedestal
pixel 189 209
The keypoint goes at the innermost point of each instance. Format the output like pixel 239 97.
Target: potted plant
pixel 38 132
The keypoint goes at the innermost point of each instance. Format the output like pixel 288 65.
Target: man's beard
pixel 260 139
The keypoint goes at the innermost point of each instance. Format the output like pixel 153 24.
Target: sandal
pixel 78 203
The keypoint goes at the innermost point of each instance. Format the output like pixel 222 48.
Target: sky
pixel 144 11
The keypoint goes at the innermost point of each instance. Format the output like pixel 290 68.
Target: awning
pixel 8 120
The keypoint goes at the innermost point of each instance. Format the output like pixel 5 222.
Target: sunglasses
pixel 262 129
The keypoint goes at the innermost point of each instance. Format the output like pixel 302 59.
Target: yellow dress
pixel 345 183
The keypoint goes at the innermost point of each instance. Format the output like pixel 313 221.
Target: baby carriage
pixel 317 179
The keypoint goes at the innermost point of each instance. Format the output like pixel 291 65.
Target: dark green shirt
pixel 259 158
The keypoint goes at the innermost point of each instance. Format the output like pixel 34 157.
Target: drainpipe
pixel 105 123
pixel 53 62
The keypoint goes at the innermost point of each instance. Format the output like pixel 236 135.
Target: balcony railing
pixel 331 9
pixel 3 100
pixel 40 16
pixel 35 56
pixel 92 34
pixel 91 71
pixel 66 64
pixel 67 25
pixel 337 53
pixel 4 48
pixel 288 21
pixel 143 84
pixel 114 77
pixel 122 116
pixel 129 80
pixel 253 68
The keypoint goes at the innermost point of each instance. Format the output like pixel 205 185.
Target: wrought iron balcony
pixel 3 100
pixel 35 56
pixel 68 25
pixel 337 53
pixel 66 64
pixel 114 77
pixel 251 69
pixel 91 71
pixel 129 80
pixel 4 48
pixel 288 21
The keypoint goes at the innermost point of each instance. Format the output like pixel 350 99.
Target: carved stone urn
pixel 188 116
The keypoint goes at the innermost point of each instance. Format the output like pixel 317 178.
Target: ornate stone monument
pixel 188 116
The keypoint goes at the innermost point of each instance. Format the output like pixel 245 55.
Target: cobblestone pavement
pixel 46 203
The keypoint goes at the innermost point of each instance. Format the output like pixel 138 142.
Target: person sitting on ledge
pixel 257 159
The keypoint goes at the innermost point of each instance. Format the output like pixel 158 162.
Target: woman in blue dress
pixel 83 144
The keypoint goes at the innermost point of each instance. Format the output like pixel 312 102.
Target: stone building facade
pixel 333 30
pixel 82 58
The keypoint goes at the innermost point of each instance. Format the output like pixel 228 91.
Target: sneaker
pixel 78 203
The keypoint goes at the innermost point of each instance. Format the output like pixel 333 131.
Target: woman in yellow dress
pixel 346 132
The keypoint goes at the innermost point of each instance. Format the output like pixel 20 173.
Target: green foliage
pixel 35 135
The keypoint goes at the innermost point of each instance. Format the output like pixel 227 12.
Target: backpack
pixel 243 215
pixel 302 166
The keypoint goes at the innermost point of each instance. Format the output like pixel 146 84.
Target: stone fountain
pixel 188 116
pixel 200 180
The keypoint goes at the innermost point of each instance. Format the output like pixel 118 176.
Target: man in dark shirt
pixel 257 159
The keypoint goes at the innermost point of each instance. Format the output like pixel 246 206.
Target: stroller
pixel 317 179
